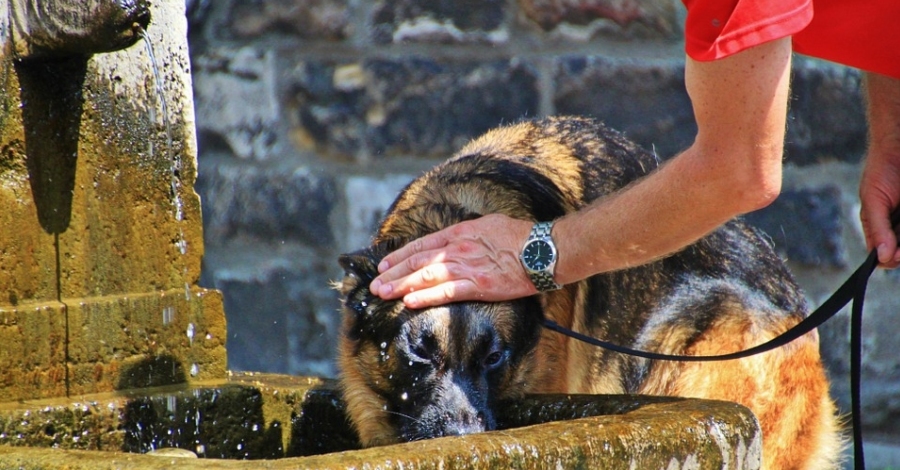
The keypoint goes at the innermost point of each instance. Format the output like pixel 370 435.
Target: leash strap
pixel 854 288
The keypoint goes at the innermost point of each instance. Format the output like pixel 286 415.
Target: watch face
pixel 538 255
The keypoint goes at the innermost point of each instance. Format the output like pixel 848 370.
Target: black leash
pixel 854 288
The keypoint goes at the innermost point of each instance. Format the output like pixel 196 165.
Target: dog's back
pixel 727 292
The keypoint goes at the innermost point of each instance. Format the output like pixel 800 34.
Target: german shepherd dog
pixel 415 374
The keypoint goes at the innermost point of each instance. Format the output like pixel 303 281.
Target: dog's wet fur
pixel 416 374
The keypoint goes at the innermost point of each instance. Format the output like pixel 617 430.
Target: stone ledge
pixel 111 343
pixel 265 414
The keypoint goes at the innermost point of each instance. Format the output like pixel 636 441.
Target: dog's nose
pixel 464 422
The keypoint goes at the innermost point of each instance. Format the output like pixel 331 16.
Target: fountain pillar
pixel 100 229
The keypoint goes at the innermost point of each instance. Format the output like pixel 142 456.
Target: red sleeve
pixel 861 34
pixel 718 28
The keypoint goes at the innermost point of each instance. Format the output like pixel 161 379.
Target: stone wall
pixel 312 114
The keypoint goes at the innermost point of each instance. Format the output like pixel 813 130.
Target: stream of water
pixel 174 158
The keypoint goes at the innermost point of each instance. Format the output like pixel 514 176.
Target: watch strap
pixel 543 280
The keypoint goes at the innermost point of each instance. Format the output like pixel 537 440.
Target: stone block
pixel 306 19
pixel 33 355
pixel 407 105
pixel 645 99
pixel 367 200
pixel 145 340
pixel 269 204
pixel 110 343
pixel 282 312
pixel 235 102
pixel 805 226
pixel 826 119
pixel 652 18
pixel 444 21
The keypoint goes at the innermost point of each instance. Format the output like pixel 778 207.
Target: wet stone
pixel 443 21
pixel 264 416
pixel 410 105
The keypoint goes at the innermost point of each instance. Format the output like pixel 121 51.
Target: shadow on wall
pixel 51 97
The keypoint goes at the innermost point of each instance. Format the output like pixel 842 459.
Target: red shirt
pixel 858 33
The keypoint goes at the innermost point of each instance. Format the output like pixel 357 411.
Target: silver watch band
pixel 543 280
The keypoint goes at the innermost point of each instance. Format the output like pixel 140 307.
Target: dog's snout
pixel 464 421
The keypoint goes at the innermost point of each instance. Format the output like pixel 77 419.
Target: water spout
pixel 61 28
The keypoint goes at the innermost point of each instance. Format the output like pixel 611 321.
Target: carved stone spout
pixel 60 28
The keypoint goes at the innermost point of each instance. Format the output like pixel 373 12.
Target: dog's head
pixel 417 374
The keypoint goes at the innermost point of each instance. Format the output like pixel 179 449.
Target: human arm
pixel 879 189
pixel 733 167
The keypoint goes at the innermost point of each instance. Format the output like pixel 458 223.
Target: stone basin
pixel 273 421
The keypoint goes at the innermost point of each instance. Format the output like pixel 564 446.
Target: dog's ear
pixel 360 267
pixel 370 315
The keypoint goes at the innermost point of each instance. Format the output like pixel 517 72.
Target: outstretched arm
pixel 733 167
pixel 879 189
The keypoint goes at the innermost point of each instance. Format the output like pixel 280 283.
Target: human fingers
pixel 418 271
pixel 396 259
pixel 881 231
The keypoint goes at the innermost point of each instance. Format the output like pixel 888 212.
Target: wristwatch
pixel 539 256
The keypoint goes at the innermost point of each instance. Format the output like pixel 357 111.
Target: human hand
pixel 879 193
pixel 473 260
pixel 879 188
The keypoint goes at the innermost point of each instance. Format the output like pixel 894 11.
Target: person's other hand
pixel 879 187
pixel 879 194
pixel 473 260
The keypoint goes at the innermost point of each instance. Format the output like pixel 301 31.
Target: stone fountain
pixel 108 347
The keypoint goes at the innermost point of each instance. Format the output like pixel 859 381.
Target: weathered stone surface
pixel 880 361
pixel 307 19
pixel 263 416
pixel 409 105
pixel 282 313
pixel 271 204
pixel 99 165
pixel 33 356
pixel 367 200
pixel 111 343
pixel 805 226
pixel 826 120
pixel 658 17
pixel 235 101
pixel 45 29
pixel 146 340
pixel 443 21
pixel 97 170
pixel 646 100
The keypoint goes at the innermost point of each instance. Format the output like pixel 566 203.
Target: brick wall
pixel 312 114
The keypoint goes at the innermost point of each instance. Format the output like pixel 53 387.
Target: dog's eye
pixel 494 359
pixel 426 349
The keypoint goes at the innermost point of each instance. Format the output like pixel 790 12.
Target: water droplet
pixel 404 396
pixel 190 333
pixel 195 369
pixel 383 345
pixel 168 315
